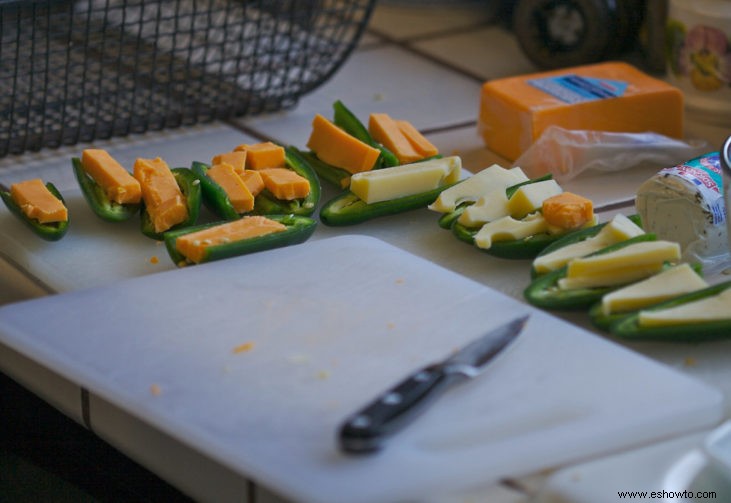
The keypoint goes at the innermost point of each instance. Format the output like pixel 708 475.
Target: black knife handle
pixel 365 431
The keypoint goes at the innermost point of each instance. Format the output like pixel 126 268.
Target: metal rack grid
pixel 77 71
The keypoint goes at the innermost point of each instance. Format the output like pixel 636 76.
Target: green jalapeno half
pixel 544 291
pixel 336 176
pixel 604 321
pixel 190 186
pixel 100 204
pixel 349 209
pixel 299 229
pixel 51 231
pixel 628 327
pixel 214 197
pixel 448 219
pixel 266 204
pixel 575 237
pixel 348 122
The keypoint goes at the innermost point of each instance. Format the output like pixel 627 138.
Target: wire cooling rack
pixel 75 71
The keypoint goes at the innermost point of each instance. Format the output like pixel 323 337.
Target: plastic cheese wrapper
pixel 565 153
pixel 685 203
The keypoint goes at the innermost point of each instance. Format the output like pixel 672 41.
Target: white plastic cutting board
pixel 330 324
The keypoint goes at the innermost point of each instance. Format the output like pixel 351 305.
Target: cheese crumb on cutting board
pixel 609 96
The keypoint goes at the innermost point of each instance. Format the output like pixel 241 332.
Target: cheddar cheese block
pixel 193 245
pixel 609 96
pixel 233 185
pixel 164 201
pixel 116 182
pixel 334 146
pixel 37 202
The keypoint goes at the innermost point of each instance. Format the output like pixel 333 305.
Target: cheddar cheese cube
pixel 237 160
pixel 609 96
pixel 263 155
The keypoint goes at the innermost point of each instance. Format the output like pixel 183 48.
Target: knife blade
pixel 367 429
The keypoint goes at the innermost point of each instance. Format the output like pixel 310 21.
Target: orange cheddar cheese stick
pixel 334 146
pixel 285 184
pixel 164 201
pixel 233 185
pixel 193 245
pixel 118 184
pixel 384 130
pixel 423 146
pixel 37 202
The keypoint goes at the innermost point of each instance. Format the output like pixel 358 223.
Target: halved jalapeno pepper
pixel 51 231
pixel 628 327
pixel 575 237
pixel 215 198
pixel 266 204
pixel 349 209
pixel 190 186
pixel 544 291
pixel 298 229
pixel 99 202
pixel 604 321
pixel 519 249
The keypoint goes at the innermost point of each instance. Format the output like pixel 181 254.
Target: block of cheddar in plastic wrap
pixel 611 96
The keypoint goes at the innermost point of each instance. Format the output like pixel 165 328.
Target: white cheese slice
pixel 628 264
pixel 507 228
pixel 620 228
pixel 662 286
pixel 714 308
pixel 619 276
pixel 479 184
pixel 405 180
pixel 530 197
pixel 489 207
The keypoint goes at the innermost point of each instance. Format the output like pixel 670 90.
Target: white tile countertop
pixel 424 63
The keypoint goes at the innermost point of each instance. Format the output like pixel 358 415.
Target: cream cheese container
pixel 684 203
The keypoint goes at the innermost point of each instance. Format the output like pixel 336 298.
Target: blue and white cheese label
pixel 705 174
pixel 573 88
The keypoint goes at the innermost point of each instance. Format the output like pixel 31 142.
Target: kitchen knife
pixel 366 430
